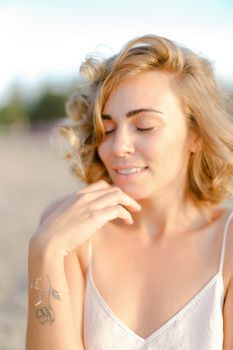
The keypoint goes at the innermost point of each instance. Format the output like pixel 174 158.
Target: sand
pixel 31 177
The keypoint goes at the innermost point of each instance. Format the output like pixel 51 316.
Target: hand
pixel 83 213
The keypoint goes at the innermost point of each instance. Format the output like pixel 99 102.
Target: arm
pixel 65 275
pixel 228 303
pixel 228 318
pixel 64 231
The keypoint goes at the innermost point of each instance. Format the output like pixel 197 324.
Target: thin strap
pixel 224 241
pixel 89 252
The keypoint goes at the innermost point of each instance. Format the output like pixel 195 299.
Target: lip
pixel 128 177
pixel 122 167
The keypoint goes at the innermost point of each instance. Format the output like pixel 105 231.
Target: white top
pixel 198 325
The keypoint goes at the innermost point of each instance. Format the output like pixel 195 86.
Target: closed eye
pixel 146 129
pixel 139 129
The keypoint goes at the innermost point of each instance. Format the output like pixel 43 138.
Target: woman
pixel 141 257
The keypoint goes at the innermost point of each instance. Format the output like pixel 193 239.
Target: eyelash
pixel 139 129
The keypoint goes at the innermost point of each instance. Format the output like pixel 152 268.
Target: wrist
pixel 45 250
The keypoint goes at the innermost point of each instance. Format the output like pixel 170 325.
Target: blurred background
pixel 42 45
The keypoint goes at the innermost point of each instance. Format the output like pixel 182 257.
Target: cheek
pixel 164 147
pixel 148 147
pixel 173 151
pixel 102 151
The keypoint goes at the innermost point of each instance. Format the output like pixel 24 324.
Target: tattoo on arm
pixel 45 314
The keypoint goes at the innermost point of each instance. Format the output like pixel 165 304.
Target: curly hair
pixel 210 169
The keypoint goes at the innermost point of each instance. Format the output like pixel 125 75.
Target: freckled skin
pixel 165 149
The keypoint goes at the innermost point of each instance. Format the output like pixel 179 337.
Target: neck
pixel 165 218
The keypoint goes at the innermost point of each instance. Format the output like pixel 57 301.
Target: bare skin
pixel 175 261
pixel 153 251
pixel 148 128
pixel 58 236
pixel 139 266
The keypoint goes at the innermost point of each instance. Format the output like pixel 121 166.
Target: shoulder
pixel 228 256
pixel 228 301
pixel 51 207
pixel 229 243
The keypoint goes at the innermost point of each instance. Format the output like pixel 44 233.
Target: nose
pixel 122 143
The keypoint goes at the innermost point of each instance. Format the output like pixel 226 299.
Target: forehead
pixel 145 90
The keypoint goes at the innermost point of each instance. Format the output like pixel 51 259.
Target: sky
pixel 46 40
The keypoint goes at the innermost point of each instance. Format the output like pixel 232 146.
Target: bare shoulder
pixel 229 245
pixel 51 207
pixel 228 300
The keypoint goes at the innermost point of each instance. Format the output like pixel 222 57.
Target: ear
pixel 194 142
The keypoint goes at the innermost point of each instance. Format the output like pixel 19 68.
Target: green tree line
pixel 49 106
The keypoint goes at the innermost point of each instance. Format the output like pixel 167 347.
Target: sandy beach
pixel 31 178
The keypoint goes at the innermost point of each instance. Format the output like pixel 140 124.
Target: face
pixel 147 141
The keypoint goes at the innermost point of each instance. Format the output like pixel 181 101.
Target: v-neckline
pixel 216 277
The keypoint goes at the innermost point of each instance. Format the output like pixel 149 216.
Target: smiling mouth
pixel 130 171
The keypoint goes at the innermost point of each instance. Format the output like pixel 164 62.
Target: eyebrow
pixel 132 113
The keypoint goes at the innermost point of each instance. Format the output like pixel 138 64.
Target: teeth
pixel 129 171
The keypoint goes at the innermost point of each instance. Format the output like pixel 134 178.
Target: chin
pixel 137 192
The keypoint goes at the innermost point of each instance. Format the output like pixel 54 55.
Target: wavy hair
pixel 210 169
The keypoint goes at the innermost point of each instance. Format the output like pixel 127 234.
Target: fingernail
pixel 130 220
pixel 135 208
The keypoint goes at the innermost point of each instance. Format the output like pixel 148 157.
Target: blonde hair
pixel 210 169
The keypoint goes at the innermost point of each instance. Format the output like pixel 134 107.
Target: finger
pixel 115 197
pixel 103 216
pixel 101 184
pixel 88 193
